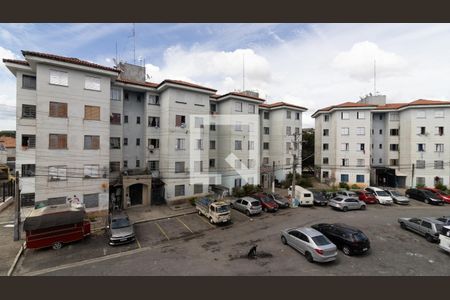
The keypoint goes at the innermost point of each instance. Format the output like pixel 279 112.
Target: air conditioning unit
pixel 151 147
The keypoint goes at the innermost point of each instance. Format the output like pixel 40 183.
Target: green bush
pixel 246 190
pixel 420 185
pixel 192 200
pixel 355 186
pixel 305 182
pixel 344 185
pixel 440 186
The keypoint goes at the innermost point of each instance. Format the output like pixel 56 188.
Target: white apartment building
pixel 105 137
pixel 394 144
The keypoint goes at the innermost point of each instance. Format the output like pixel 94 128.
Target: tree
pixel 308 148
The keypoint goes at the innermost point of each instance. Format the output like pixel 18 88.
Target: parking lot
pixel 189 245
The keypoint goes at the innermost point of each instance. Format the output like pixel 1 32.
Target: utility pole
pixel 273 176
pixel 412 176
pixel 296 135
pixel 17 209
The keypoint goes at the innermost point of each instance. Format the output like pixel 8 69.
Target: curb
pixel 162 218
pixel 13 266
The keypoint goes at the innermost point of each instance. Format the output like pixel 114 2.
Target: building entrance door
pixel 136 192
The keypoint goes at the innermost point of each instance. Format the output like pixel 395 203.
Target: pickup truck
pixel 215 211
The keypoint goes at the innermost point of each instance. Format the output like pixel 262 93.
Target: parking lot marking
pixel 184 225
pixel 167 237
pixel 205 221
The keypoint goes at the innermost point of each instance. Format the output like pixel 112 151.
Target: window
pixel 393 162
pixel 153 143
pixel 325 160
pixel 179 190
pixel 421 147
pixel 251 109
pixel 360 130
pixel 266 130
pixel 421 114
pixel 251 145
pixel 251 163
pixel 199 144
pixel 297 116
pixel 213 107
pixel 27 199
pixel 420 180
pixel 212 163
pixel 57 141
pixel 125 119
pixel 28 111
pixel 59 78
pixel 29 141
pixel 125 163
pixel 58 110
pixel 115 94
pixel 212 127
pixel 198 188
pixel 420 130
pixel 212 145
pixel 288 161
pixel 380 131
pixel 153 121
pixel 380 160
pixel 326 118
pixel 125 141
pixel 237 145
pixel 114 119
pixel 266 115
pixel 438 113
pixel 180 144
pixel 361 147
pixel 92 112
pixel 288 147
pixel 153 165
pixel 345 162
pixel 138 142
pixel 126 96
pixel 91 171
pixel 381 117
pixel 344 146
pixel 114 143
pixel 180 121
pixel 138 163
pixel 238 183
pixel 288 130
pixel 359 178
pixel 394 132
pixel 394 116
pixel 138 120
pixel 393 147
pixel 153 100
pixel 439 130
pixel 28 170
pixel 28 82
pixel 198 166
pixel 237 164
pixel 114 166
pixel 288 114
pixel 92 83
pixel 344 177
pixel 380 146
pixel 179 167
pixel 420 164
pixel 199 122
pixel 325 147
pixel 265 160
pixel 438 164
pixel 238 106
pixel 360 115
pixel 91 142
pixel 326 132
pixel 238 126
pixel 90 200
pixel 345 116
pixel 57 173
pixel 439 147
pixel 297 130
pixel 325 174
pixel 56 200
pixel 266 146
pixel 360 162
pixel 345 131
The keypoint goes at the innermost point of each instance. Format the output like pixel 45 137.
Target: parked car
pixel 444 219
pixel 215 211
pixel 303 196
pixel 366 197
pixel 381 196
pixel 347 194
pixel 247 205
pixel 120 229
pixel 282 202
pixel 350 239
pixel 320 199
pixel 267 203
pixel 439 194
pixel 311 243
pixel 427 227
pixel 444 238
pixel 346 203
pixel 397 197
pixel 423 195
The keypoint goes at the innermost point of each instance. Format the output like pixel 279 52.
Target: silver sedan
pixel 346 203
pixel 314 245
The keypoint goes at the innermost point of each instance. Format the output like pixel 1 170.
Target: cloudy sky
pixel 313 65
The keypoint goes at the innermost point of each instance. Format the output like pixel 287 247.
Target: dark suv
pixel 349 239
pixel 423 195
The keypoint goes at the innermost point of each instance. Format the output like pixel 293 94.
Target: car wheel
pixel 429 238
pixel 345 208
pixel 231 205
pixel 346 250
pixel 427 201
pixel 247 213
pixel 363 207
pixel 402 225
pixel 57 245
pixel 283 240
pixel 211 221
pixel 309 257
pixel 265 209
pixel 199 213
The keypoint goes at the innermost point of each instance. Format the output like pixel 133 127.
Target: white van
pixel 382 196
pixel 302 195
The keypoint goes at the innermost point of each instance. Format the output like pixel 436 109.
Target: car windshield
pixel 256 203
pixel 429 194
pixel 382 193
pixel 266 200
pixel 319 196
pixel 120 223
pixel 223 209
pixel 395 193
pixel 320 240
pixel 359 236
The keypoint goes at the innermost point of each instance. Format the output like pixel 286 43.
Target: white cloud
pixel 359 61
pixel 7 90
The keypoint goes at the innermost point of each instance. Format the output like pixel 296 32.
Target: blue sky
pixel 313 65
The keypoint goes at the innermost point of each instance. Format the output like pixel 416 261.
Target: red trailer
pixel 53 226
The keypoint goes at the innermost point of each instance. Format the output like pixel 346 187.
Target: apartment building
pixel 106 137
pixel 393 144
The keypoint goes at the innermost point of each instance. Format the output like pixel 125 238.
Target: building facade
pixel 373 143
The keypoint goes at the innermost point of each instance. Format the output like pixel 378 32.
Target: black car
pixel 282 202
pixel 349 239
pixel 320 199
pixel 423 195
